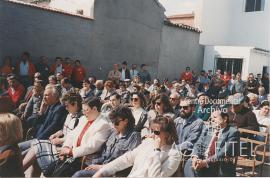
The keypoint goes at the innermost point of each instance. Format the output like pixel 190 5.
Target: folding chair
pixel 257 152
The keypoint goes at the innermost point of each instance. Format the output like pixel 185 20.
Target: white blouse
pixel 146 161
pixel 69 123
pixel 263 120
pixel 137 112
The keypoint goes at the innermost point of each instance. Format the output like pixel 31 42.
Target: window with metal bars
pixel 254 5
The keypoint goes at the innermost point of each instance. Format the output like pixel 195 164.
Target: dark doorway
pixel 266 69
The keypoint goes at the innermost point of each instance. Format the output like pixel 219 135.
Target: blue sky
pixel 178 6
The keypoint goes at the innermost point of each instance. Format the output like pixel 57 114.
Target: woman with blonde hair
pixel 10 155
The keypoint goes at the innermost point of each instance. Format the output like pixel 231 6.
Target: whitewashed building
pixel 236 35
pixel 82 7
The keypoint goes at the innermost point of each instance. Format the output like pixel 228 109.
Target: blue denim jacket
pixel 188 131
pixel 116 147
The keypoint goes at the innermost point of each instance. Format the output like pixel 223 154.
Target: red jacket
pixel 187 76
pixel 68 70
pixel 226 78
pixel 31 71
pixel 78 74
pixel 17 95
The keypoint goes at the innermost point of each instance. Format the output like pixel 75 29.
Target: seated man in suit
pixel 52 120
pixel 214 153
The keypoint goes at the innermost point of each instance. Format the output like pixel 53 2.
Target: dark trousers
pixel 84 173
pixel 212 171
pixel 63 168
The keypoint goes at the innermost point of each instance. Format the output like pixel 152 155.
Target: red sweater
pixel 68 70
pixel 79 74
pixel 17 95
pixel 226 78
pixel 187 76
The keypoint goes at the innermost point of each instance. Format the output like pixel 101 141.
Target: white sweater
pixel 145 161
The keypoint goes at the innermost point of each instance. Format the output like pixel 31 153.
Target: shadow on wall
pixel 118 33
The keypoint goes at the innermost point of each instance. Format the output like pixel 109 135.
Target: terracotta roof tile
pixel 182 26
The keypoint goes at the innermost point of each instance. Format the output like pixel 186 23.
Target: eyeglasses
pixel 134 99
pixel 184 107
pixel 158 103
pixel 156 132
pixel 173 99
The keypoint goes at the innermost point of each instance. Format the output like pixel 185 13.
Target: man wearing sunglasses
pixel 188 126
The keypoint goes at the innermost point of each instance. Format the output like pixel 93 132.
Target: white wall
pixel 212 52
pixel 74 5
pixel 258 59
pixel 225 23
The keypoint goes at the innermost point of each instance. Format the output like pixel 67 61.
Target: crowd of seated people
pixel 57 122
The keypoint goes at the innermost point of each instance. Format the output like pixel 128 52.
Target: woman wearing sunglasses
pixel 157 156
pixel 138 111
pixel 124 138
pixel 162 106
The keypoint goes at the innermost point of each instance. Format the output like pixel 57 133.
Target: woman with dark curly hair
pixel 138 111
pixel 162 106
pixel 44 152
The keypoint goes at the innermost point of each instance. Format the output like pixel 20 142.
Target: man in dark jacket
pixel 52 120
pixel 125 73
pixel 252 84
pixel 54 117
pixel 144 74
pixel 241 116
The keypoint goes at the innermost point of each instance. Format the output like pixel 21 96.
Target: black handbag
pixel 64 168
